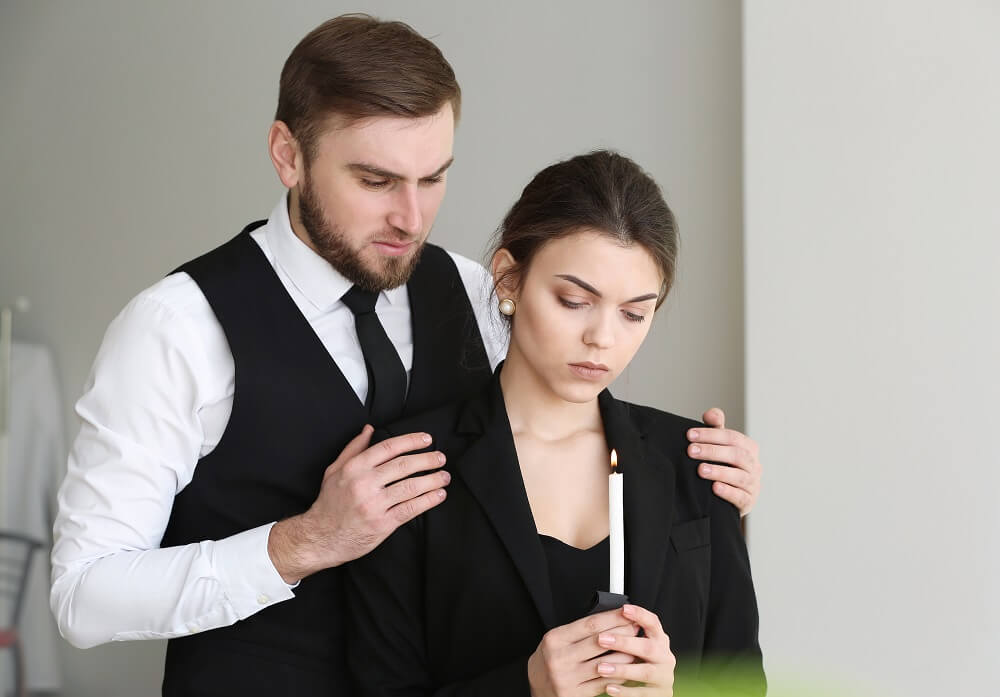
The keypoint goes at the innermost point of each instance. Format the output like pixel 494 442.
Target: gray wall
pixel 873 251
pixel 133 138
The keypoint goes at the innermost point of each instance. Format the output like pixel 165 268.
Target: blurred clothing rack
pixel 32 461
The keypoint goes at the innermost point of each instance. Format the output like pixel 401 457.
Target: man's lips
pixel 393 247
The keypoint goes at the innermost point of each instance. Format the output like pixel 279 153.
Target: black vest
pixel 293 412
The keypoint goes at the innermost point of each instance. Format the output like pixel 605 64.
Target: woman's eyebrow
pixel 590 289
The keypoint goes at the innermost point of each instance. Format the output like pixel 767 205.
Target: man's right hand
pixel 366 494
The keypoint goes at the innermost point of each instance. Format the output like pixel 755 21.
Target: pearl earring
pixel 507 306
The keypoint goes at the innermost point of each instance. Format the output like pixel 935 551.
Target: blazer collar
pixel 490 470
pixel 489 467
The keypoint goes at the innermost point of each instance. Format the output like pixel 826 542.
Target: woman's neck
pixel 535 410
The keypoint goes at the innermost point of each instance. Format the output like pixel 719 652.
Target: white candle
pixel 616 511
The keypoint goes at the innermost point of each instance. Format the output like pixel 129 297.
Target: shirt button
pixel 263 599
pixel 193 627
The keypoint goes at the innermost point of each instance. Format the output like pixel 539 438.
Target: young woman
pixel 488 593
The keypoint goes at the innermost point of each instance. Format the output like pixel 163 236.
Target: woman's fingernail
pixel 612 689
pixel 606 639
pixel 629 611
pixel 605 668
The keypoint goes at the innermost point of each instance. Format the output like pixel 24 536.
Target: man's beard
pixel 329 242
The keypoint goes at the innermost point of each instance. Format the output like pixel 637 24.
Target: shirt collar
pixel 311 274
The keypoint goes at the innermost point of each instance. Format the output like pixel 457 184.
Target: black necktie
pixel 386 375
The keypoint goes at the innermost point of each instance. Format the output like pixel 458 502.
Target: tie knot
pixel 360 301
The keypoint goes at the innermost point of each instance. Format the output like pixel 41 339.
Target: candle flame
pixel 614 461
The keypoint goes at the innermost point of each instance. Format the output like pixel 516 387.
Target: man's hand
pixel 738 484
pixel 366 494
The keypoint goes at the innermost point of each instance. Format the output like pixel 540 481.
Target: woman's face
pixel 583 309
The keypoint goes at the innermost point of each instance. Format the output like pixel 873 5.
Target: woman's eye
pixel 633 317
pixel 570 304
pixel 375 183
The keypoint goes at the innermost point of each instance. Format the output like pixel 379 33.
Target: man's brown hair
pixel 356 66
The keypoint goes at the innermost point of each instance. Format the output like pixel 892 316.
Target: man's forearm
pixel 161 593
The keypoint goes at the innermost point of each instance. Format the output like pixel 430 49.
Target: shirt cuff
pixel 247 573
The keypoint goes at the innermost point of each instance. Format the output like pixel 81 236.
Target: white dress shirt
pixel 158 399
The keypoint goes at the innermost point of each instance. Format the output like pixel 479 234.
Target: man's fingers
pixel 733 476
pixel 412 487
pixel 355 447
pixel 740 498
pixel 714 417
pixel 411 508
pixel 391 448
pixel 402 467
pixel 734 455
pixel 718 436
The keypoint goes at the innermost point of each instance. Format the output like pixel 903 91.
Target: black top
pixel 575 575
pixel 454 602
pixel 293 412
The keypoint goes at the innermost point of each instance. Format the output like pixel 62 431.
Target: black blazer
pixel 455 601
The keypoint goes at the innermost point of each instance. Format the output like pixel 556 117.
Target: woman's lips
pixel 589 371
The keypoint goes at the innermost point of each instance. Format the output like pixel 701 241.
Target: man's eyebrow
pixel 590 289
pixel 366 168
pixel 440 170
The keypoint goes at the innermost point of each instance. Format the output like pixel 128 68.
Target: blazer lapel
pixel 648 499
pixel 490 469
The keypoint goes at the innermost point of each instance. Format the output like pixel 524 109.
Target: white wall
pixel 132 137
pixel 872 259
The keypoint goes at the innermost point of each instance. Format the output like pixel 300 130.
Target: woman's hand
pixel 654 666
pixel 565 662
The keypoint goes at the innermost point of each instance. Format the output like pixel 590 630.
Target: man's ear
pixel 286 156
pixel 505 276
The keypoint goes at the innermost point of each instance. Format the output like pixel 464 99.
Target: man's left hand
pixel 740 482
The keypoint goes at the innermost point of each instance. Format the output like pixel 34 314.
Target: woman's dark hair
pixel 601 191
pixel 356 66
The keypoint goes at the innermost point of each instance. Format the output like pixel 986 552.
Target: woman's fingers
pixel 649 621
pixel 632 690
pixel 588 627
pixel 643 648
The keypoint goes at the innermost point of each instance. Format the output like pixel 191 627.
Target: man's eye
pixel 375 183
pixel 433 180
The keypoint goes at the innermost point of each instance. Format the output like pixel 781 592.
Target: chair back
pixel 16 552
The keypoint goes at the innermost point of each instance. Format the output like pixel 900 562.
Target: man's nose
pixel 405 214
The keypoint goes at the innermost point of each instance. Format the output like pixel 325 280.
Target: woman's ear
pixel 504 270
